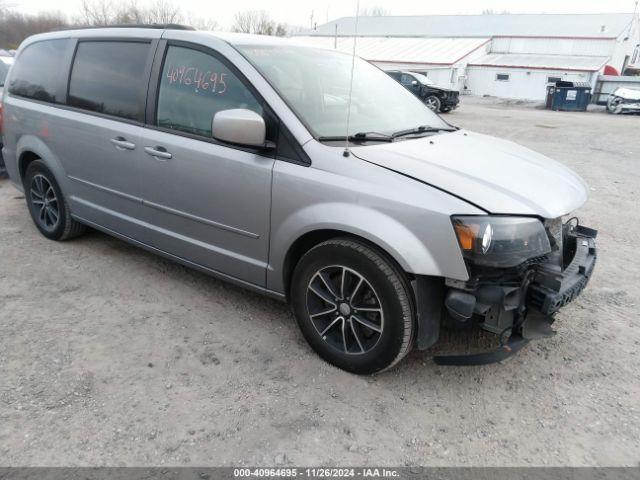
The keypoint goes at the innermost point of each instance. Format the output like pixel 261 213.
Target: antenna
pixel 346 152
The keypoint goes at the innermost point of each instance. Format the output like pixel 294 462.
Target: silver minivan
pixel 300 173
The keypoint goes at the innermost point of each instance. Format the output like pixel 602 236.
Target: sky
pixel 299 12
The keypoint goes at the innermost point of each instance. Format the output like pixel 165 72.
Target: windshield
pixel 5 63
pixel 423 79
pixel 315 84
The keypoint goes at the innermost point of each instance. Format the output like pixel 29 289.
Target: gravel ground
pixel 112 356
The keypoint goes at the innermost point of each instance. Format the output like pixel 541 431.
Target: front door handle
pixel 158 152
pixel 122 143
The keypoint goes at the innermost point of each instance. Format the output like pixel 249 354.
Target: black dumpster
pixel 569 96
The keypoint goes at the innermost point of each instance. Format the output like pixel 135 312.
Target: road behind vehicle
pixel 437 98
pixel 375 219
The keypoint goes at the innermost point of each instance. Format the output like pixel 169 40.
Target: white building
pixel 509 56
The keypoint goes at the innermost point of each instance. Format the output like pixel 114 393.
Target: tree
pixel 375 11
pixel 258 22
pixel 97 13
pixel 201 23
pixel 100 13
pixel 489 11
pixel 163 12
pixel 15 27
pixel 252 21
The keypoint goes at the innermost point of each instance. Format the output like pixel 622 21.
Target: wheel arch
pixel 295 235
pixel 310 239
pixel 30 148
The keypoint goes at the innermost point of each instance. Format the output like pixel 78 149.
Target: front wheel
pixel 614 105
pixel 433 103
pixel 353 305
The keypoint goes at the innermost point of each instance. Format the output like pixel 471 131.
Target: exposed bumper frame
pixel 543 291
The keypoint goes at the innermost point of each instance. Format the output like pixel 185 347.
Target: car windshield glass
pixel 4 69
pixel 315 84
pixel 422 78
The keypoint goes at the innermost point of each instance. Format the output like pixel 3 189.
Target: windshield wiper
pixel 360 137
pixel 421 129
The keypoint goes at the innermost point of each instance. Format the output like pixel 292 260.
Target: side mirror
pixel 414 84
pixel 239 126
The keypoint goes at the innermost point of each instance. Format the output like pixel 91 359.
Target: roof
pixel 438 51
pixel 541 62
pixel 606 25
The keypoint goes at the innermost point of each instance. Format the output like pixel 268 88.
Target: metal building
pixel 509 56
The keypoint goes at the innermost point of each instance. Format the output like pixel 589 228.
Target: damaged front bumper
pixel 516 304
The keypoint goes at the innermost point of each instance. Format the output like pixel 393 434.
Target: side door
pixel 208 202
pixel 100 133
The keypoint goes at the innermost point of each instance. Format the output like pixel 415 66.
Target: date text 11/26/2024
pixel 316 472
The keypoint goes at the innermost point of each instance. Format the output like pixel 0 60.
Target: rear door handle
pixel 158 152
pixel 122 143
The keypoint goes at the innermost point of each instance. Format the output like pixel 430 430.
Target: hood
pixel 442 89
pixel 496 175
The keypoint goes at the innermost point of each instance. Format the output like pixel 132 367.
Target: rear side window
pixel 110 78
pixel 195 86
pixel 36 74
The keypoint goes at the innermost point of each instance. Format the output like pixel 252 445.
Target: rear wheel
pixel 353 305
pixel 47 206
pixel 433 103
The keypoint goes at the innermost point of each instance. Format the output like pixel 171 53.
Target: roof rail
pixel 158 26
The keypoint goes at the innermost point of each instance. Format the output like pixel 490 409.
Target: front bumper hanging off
pixel 521 308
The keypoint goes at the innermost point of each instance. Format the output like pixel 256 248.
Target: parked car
pixel 231 154
pixel 5 62
pixel 438 99
pixel 624 100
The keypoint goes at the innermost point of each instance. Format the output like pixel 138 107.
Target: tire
pixel 614 105
pixel 48 208
pixel 433 103
pixel 367 327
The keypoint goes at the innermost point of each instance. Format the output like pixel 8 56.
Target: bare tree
pixel 258 22
pixel 96 12
pixel 490 11
pixel 15 27
pixel 201 23
pixel 163 11
pixel 105 12
pixel 375 11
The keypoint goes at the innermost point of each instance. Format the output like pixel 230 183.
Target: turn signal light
pixel 466 235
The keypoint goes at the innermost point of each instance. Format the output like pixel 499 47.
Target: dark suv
pixel 437 98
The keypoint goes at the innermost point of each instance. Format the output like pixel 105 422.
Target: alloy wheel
pixel 45 203
pixel 345 309
pixel 432 103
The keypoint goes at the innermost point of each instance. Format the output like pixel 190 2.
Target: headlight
pixel 500 241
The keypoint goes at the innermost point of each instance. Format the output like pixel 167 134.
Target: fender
pixel 412 254
pixel 31 143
